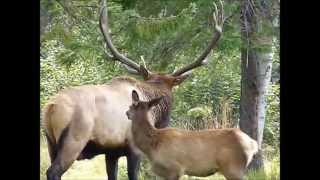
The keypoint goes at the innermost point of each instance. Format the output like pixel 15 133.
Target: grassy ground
pixel 95 169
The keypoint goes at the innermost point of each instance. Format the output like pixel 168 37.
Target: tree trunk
pixel 256 64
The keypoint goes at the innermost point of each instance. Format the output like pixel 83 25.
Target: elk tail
pixel 46 124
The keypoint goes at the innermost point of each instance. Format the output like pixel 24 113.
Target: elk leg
pixel 72 141
pixel 51 149
pixel 112 166
pixel 133 163
pixel 65 157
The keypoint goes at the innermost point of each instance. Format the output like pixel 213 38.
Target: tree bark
pixel 256 65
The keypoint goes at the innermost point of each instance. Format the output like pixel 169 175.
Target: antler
pixel 116 55
pixel 218 20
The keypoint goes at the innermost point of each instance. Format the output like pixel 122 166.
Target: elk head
pixel 138 109
pixel 170 79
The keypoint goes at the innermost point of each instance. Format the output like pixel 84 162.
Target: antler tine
pixel 222 11
pixel 111 57
pixel 215 13
pixel 104 27
pixel 218 20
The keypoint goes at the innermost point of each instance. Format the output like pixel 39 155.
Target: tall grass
pixel 221 117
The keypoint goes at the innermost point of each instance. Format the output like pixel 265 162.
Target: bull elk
pixel 84 121
pixel 175 152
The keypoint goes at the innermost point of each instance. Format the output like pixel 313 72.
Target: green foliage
pixel 199 112
pixel 220 80
pixel 271 134
pixel 55 76
pixel 169 35
pixel 272 125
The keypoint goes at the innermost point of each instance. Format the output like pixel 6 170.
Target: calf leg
pixel 167 173
pixel 159 170
pixel 112 166
pixel 234 178
pixel 133 163
pixel 173 177
pixel 233 172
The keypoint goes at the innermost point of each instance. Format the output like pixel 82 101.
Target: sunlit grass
pixel 95 169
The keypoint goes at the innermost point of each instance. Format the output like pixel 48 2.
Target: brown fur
pixel 70 96
pixel 156 86
pixel 76 122
pixel 174 152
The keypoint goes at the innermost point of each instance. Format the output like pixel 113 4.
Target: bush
pixel 272 125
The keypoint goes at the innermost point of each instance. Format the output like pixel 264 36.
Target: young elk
pixel 175 152
pixel 85 121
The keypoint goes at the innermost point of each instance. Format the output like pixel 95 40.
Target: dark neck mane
pixel 150 90
pixel 161 112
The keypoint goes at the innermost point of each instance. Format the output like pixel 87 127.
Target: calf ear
pixel 135 96
pixel 154 102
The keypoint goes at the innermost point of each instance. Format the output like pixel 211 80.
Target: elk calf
pixel 175 152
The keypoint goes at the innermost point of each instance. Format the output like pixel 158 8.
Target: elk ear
pixel 179 79
pixel 144 72
pixel 154 102
pixel 135 96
